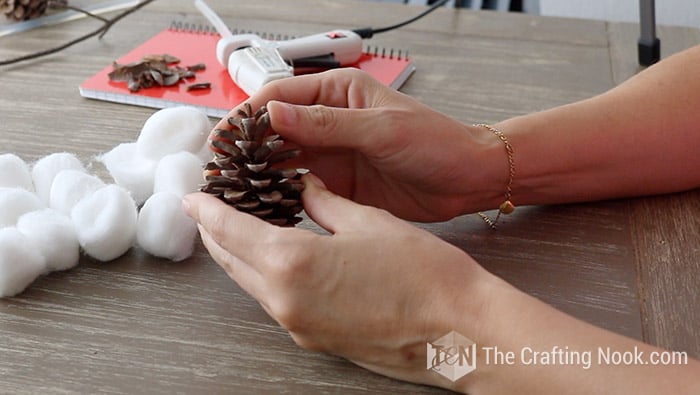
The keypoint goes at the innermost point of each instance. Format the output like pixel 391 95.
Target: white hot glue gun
pixel 253 62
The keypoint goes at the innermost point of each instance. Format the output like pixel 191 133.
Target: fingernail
pixel 282 113
pixel 312 178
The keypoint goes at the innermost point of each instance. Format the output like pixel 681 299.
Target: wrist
pixel 491 175
pixel 461 304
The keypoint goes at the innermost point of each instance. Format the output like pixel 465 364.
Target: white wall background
pixel 668 12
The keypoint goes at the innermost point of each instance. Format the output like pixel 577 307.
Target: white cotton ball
pixel 69 186
pixel 14 173
pixel 45 170
pixel 54 236
pixel 20 262
pixel 172 130
pixel 179 173
pixel 164 230
pixel 130 171
pixel 105 222
pixel 205 153
pixel 15 202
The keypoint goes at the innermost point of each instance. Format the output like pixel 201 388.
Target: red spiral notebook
pixel 193 47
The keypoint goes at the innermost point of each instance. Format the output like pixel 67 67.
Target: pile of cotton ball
pixel 52 210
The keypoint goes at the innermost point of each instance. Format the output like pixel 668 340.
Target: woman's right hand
pixel 380 147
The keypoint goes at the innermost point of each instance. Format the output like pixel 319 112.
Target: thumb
pixel 323 126
pixel 332 212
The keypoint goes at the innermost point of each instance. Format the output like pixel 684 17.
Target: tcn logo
pixel 452 356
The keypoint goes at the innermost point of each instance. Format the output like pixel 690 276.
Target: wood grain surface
pixel 145 325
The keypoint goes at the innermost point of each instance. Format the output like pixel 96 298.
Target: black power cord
pixel 101 31
pixel 328 61
pixel 368 32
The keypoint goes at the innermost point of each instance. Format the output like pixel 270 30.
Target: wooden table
pixel 143 325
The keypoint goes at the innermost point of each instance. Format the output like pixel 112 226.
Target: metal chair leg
pixel 648 46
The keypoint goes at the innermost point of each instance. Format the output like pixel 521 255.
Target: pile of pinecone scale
pixel 245 171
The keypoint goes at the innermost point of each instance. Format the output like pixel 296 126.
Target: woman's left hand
pixel 373 291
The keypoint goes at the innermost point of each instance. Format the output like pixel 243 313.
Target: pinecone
pixel 242 173
pixel 22 10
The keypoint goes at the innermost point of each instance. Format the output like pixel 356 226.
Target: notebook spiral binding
pixel 375 50
pixel 387 53
pixel 208 29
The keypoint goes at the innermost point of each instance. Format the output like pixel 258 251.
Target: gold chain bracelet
pixel 507 206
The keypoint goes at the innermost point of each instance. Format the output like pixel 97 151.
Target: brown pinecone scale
pixel 22 10
pixel 246 172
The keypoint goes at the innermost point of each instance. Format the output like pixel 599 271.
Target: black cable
pixel 368 32
pixel 101 31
